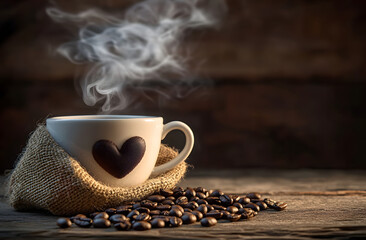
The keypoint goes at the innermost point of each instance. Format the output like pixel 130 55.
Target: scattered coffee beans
pixel 101 215
pixel 64 222
pixel 101 223
pixel 117 218
pixel 175 222
pixel 83 222
pixel 254 195
pixel 172 208
pixel 189 218
pixel 208 221
pixel 157 223
pixel 123 226
pixel 141 226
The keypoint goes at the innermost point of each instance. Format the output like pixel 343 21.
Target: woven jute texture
pixel 47 178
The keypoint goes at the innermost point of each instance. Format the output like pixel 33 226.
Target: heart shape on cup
pixel 119 162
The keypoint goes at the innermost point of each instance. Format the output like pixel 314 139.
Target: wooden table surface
pixel 321 204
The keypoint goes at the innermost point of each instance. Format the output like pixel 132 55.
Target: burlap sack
pixel 47 178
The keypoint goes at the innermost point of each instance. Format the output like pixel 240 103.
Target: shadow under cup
pixel 117 150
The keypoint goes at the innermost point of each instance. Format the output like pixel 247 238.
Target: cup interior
pixel 99 117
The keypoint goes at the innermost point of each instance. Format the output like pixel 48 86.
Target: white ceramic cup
pixel 78 134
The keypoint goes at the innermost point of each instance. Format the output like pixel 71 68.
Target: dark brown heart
pixel 119 162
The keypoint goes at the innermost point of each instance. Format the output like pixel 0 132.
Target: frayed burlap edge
pixel 47 178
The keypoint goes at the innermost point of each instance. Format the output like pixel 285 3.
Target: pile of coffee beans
pixel 172 208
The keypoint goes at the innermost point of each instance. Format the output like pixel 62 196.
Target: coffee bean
pixel 202 208
pixel 166 192
pixel 148 204
pixel 101 215
pixel 216 193
pixel 170 198
pixel 92 215
pixel 232 209
pixel 190 192
pixel 133 214
pixel 201 195
pixel 178 189
pixel 168 202
pixel 127 206
pixel 116 218
pixel 123 226
pixel 164 218
pixel 189 218
pixel 225 214
pixel 198 214
pixel 165 213
pixel 215 214
pixel 180 208
pixel 235 198
pixel 175 212
pixel 253 206
pixel 179 193
pixel 111 211
pixel 78 216
pixel 83 222
pixel 194 199
pixel 64 222
pixel 233 217
pixel 208 221
pixel 141 226
pixel 187 210
pixel 244 200
pixel 201 201
pixel 124 209
pixel 191 205
pixel 262 205
pixel 218 207
pixel 157 223
pixel 143 217
pixel 163 207
pixel 175 222
pixel 155 212
pixel 246 215
pixel 181 200
pixel 156 198
pixel 101 223
pixel 226 200
pixel 143 210
pixel 136 205
pixel 253 195
pixel 238 205
pixel 200 189
pixel 210 207
pixel 213 200
pixel 246 210
pixel 279 206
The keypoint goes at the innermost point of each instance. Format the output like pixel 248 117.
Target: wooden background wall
pixel 283 83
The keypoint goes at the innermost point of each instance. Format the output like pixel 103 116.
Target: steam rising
pixel 140 46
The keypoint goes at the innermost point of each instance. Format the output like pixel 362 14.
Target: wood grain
pixel 307 216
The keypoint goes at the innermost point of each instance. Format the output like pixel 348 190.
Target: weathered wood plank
pixel 257 40
pixel 307 216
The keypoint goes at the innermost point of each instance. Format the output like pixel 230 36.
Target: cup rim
pixel 96 117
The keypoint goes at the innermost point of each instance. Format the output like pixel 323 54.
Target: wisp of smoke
pixel 140 46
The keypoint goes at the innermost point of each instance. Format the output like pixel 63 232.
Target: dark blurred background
pixel 283 83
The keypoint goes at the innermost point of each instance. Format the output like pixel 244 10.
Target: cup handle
pixel 176 125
